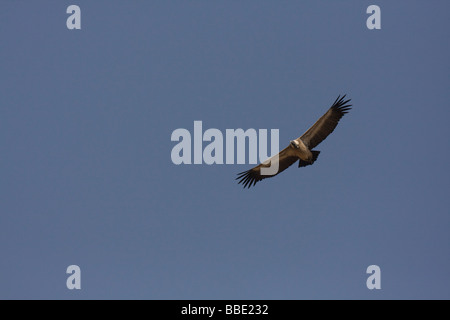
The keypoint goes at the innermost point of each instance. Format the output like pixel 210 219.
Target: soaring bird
pixel 300 149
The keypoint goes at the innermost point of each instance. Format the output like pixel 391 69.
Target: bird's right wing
pixel 326 124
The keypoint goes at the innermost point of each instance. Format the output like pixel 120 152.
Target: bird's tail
pixel 302 163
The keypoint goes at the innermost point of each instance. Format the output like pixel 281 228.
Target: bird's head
pixel 295 144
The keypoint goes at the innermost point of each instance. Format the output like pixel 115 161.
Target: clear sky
pixel 86 118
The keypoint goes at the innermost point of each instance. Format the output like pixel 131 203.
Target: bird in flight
pixel 300 149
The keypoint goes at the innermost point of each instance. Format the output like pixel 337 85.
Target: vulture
pixel 300 149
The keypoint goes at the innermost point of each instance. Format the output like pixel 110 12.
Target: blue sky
pixel 87 178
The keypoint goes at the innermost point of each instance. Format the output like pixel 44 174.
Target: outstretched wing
pixel 285 159
pixel 326 124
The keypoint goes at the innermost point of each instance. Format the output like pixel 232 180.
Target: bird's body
pixel 300 149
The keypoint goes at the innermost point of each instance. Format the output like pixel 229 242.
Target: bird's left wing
pixel 285 159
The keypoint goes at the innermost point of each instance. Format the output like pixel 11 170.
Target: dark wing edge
pixel 251 177
pixel 327 123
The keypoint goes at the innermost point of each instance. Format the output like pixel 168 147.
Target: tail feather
pixel 302 163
